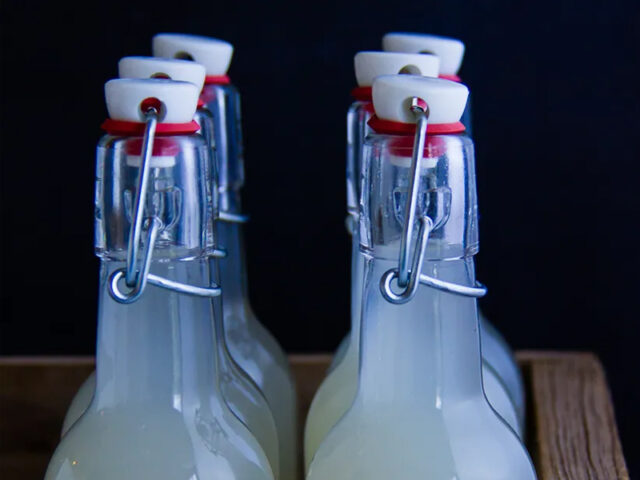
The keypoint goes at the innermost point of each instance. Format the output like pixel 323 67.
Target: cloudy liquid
pixel 338 390
pixel 419 411
pixel 256 351
pixel 157 411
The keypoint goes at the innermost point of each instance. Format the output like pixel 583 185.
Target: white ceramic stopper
pixel 370 65
pixel 124 97
pixel 153 67
pixel 449 50
pixel 392 96
pixel 214 54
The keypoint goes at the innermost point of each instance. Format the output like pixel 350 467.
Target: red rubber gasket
pixel 453 77
pixel 122 127
pixel 399 128
pixel 217 80
pixel 362 94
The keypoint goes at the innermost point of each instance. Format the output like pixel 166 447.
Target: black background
pixel 556 108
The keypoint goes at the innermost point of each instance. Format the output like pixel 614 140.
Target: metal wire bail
pixel 232 217
pixel 414 278
pixel 477 291
pixel 407 278
pixel 141 277
pixel 421 110
pixel 136 278
pixel 132 273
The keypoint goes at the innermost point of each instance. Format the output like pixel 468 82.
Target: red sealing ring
pixel 434 146
pixel 217 80
pixel 123 127
pixel 162 147
pixel 362 94
pixel 399 128
pixel 452 76
pixel 207 95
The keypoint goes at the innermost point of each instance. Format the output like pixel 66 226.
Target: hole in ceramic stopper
pixel 160 75
pixel 184 56
pixel 409 70
pixel 155 103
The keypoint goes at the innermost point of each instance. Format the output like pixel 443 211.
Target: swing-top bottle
pixel 250 344
pixel 335 394
pixel 369 65
pixel 158 411
pixel 420 409
pixel 495 349
pixel 337 391
pixel 239 391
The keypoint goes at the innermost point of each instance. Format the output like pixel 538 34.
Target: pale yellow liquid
pixel 149 442
pixel 497 356
pixel 158 412
pixel 258 354
pixel 239 392
pixel 256 351
pixel 338 390
pixel 246 404
pixel 243 398
pixel 421 423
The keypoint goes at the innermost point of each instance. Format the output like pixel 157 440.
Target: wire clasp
pixel 136 273
pixel 408 275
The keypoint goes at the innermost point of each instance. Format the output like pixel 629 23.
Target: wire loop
pixel 407 277
pixel 136 273
pixel 232 217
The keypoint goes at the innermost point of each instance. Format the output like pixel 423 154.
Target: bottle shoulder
pixel 178 445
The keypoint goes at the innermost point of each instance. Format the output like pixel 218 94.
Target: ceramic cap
pixel 152 67
pixel 370 65
pixel 392 96
pixel 214 54
pixel 450 50
pixel 124 96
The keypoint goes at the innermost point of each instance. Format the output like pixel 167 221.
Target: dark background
pixel 556 108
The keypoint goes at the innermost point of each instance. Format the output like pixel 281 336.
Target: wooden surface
pixel 571 416
pixel 572 433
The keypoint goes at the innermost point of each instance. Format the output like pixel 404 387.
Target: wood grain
pixel 572 418
pixel 572 433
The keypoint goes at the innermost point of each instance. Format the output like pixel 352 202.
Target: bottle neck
pixel 357 117
pixel 436 333
pixel 357 281
pixel 160 349
pixel 445 192
pixel 223 101
pixel 224 357
pixel 233 272
pixel 229 201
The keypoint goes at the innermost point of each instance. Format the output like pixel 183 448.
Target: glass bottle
pixel 335 394
pixel 250 344
pixel 369 65
pixel 337 391
pixel 495 349
pixel 420 409
pixel 158 411
pixel 242 396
